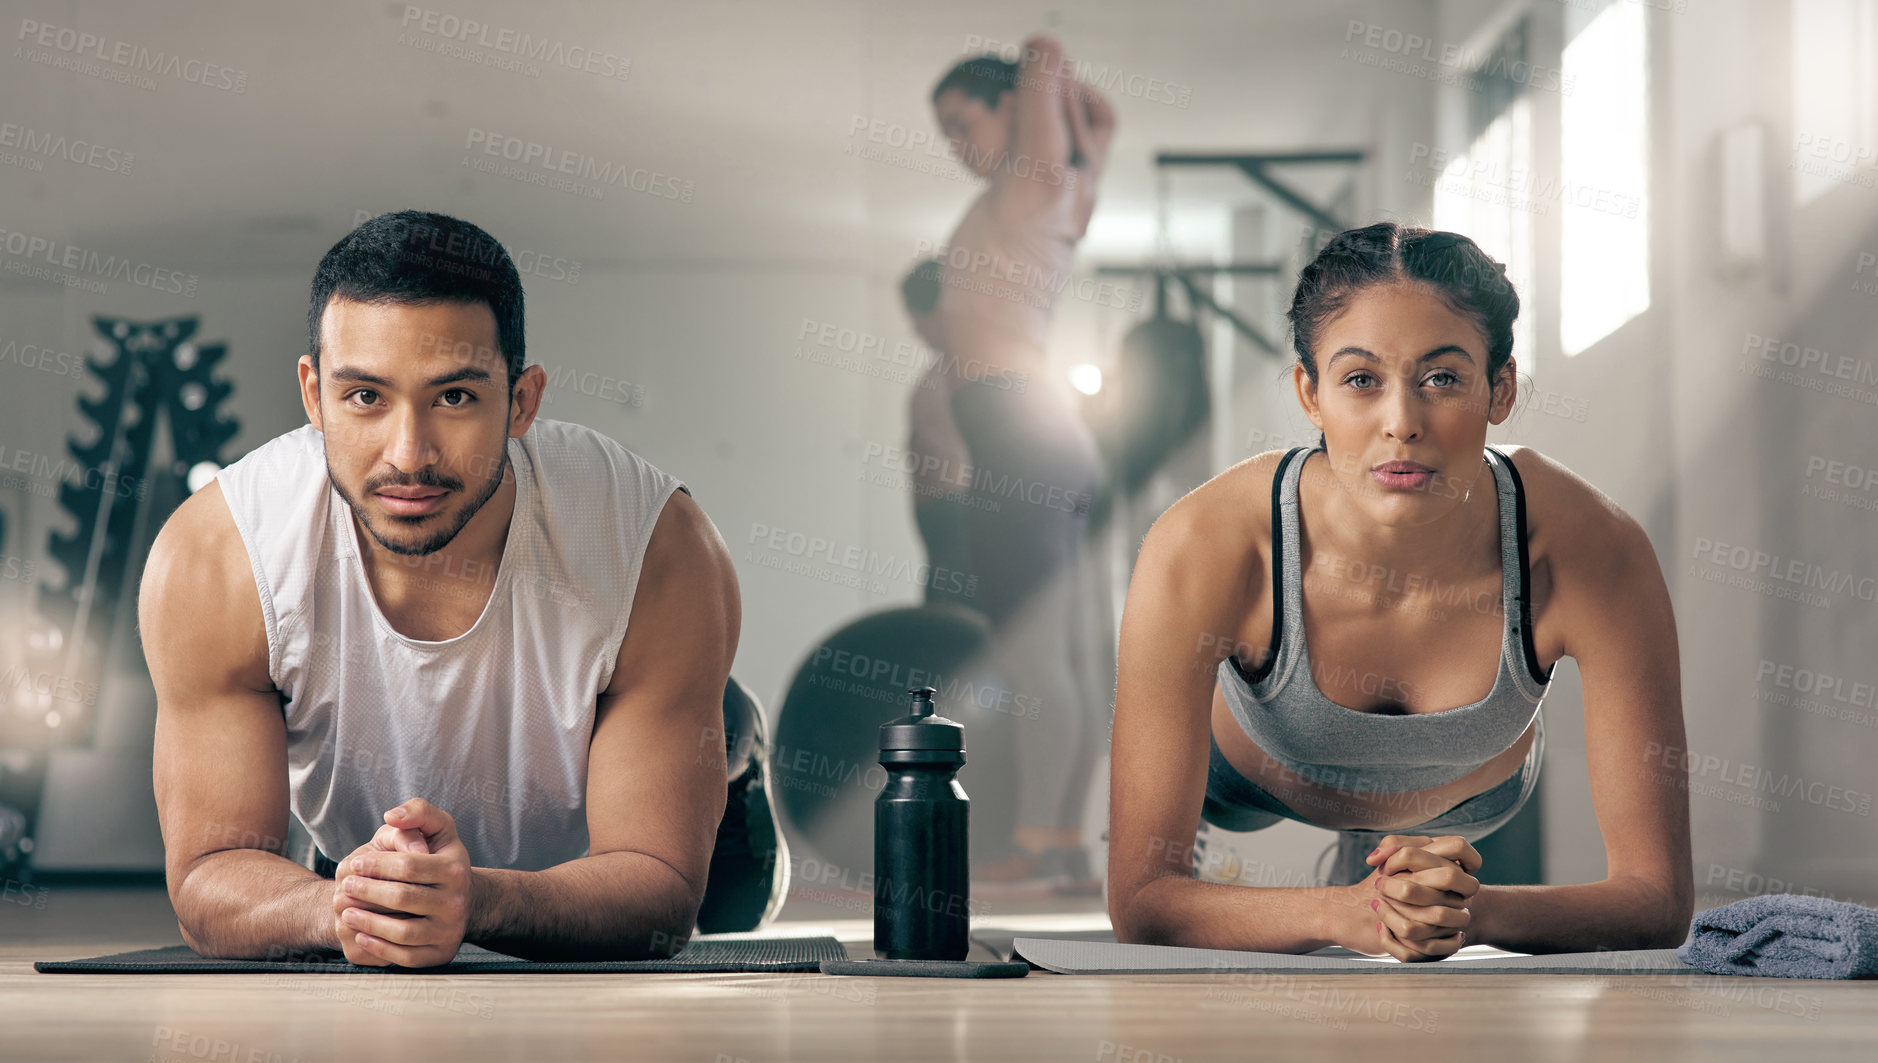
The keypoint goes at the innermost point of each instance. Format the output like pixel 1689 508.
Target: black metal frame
pixel 1256 167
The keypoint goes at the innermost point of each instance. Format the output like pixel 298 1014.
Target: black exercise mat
pixel 749 955
pixel 926 968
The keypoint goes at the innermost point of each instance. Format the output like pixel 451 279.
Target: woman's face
pixel 979 135
pixel 1401 377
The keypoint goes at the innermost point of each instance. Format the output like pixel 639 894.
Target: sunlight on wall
pixel 1835 95
pixel 1488 196
pixel 1604 242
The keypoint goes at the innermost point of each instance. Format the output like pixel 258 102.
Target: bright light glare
pixel 200 474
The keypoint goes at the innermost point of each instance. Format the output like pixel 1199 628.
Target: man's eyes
pixel 468 397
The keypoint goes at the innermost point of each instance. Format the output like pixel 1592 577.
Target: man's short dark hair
pixel 985 78
pixel 415 257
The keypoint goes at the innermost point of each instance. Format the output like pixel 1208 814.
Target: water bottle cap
pixel 922 731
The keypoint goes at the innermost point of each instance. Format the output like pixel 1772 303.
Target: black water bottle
pixel 922 868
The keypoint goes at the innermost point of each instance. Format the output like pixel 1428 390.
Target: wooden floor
pixel 730 1018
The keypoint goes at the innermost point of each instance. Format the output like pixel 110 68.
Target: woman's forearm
pixel 1612 914
pixel 1174 910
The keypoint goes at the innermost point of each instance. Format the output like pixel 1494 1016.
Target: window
pixel 1604 205
pixel 1488 195
pixel 1835 95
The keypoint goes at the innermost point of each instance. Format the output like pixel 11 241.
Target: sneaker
pixel 749 876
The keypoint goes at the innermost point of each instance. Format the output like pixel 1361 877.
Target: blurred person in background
pixel 1016 516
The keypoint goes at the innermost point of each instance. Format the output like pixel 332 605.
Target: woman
pixel 1016 467
pixel 1310 636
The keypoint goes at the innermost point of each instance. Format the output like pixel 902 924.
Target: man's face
pixel 413 403
pixel 979 135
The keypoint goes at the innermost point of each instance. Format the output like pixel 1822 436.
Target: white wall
pixel 1699 451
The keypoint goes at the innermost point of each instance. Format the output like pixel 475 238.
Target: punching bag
pixel 1157 398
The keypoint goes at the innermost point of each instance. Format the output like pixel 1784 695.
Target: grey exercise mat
pixel 1099 957
pixel 749 955
pixel 1000 941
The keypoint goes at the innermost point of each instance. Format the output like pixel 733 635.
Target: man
pixel 483 658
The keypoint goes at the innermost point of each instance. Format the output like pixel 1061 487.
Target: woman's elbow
pixel 1121 918
pixel 1133 919
pixel 1665 923
pixel 1674 928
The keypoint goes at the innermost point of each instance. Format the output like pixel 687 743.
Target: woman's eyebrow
pixel 1446 348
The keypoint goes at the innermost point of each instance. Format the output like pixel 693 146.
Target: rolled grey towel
pixel 1785 935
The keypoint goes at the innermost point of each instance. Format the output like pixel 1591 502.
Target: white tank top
pixel 491 726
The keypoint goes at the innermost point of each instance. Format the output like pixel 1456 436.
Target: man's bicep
pixel 220 760
pixel 655 773
pixel 220 776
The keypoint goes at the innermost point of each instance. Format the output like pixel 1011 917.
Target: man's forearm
pixel 1612 914
pixel 611 906
pixel 250 904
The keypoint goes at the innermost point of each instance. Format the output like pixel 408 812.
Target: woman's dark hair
pixel 1471 283
pixel 920 288
pixel 985 78
pixel 416 257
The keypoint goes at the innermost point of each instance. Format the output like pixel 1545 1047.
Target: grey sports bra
pixel 1287 715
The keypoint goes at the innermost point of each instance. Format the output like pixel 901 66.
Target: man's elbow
pixel 189 939
pixel 680 923
pixel 212 942
pixel 662 940
pixel 664 928
pixel 189 922
pixel 205 942
pixel 668 941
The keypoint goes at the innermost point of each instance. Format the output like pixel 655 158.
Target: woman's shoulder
pixel 1569 521
pixel 1602 574
pixel 1553 491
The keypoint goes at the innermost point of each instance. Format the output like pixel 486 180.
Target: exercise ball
pixel 825 760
